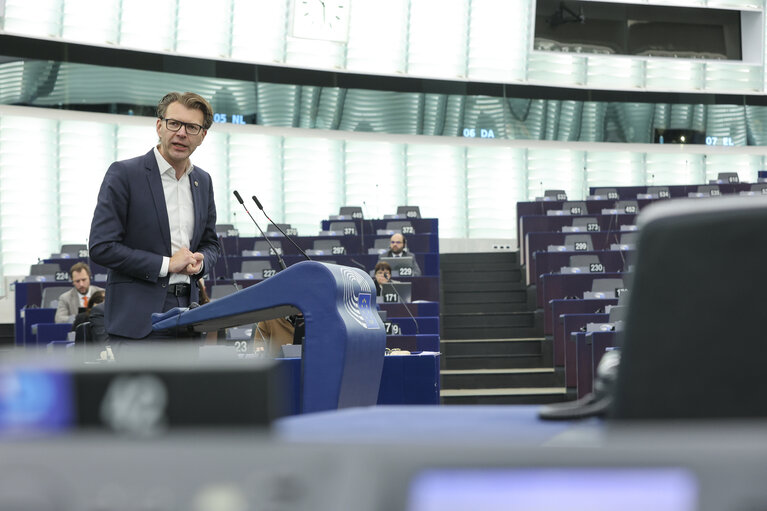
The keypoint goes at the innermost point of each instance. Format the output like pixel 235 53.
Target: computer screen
pixel 571 488
pixel 394 292
pixel 399 262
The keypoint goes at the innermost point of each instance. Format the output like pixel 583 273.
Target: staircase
pixel 492 343
pixel 7 337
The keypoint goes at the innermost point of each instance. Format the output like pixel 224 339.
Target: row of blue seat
pixel 34 326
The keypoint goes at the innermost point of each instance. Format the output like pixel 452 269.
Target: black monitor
pixel 397 263
pixel 394 292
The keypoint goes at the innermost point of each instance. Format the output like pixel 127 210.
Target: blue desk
pixel 354 244
pixel 584 368
pixel 29 295
pixel 550 223
pixel 406 380
pixel 43 333
pixel 418 342
pixel 426 325
pixel 424 288
pixel 590 347
pixel 557 285
pixel 225 267
pixel 29 317
pixel 630 192
pixel 599 343
pixel 566 354
pixel 562 306
pixel 538 208
pixel 418 308
pixel 538 242
pixel 552 262
pixel 371 226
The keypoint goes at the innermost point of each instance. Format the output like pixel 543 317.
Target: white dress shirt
pixel 178 201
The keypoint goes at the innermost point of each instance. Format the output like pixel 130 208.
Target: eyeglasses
pixel 174 125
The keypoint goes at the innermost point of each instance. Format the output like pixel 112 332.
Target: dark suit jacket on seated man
pixel 154 223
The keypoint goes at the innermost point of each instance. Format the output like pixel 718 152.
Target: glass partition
pixel 68 85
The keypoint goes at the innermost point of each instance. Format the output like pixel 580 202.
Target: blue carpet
pixel 509 424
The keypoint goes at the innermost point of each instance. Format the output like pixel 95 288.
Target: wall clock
pixel 321 19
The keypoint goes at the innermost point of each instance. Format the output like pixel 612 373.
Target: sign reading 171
pixel 474 132
pixel 236 119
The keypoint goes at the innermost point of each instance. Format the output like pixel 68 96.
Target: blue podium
pixel 345 342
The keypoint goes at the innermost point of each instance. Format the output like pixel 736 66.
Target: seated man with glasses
pixel 154 226
pixel 398 249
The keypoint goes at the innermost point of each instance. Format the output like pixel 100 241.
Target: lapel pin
pixel 196 184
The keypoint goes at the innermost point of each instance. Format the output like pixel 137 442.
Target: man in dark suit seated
pixel 398 248
pixel 154 226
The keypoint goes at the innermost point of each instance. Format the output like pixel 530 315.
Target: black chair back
pixel 694 339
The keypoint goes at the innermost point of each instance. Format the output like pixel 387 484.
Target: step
pixel 497 307
pixel 495 362
pixel 472 286
pixel 500 378
pixel 492 326
pixel 506 275
pixel 479 258
pixel 489 332
pixel 7 335
pixel 498 346
pixel 492 319
pixel 463 296
pixel 504 396
pixel 496 353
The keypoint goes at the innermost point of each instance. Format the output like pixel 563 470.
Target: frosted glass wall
pixel 478 40
pixel 52 162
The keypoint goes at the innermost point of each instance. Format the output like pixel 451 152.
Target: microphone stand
pixel 417 331
pixel 279 257
pixel 279 229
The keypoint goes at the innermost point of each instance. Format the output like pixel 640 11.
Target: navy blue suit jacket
pixel 130 235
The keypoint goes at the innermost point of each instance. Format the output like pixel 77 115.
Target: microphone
pixel 358 264
pixel 370 223
pixel 226 264
pixel 415 322
pixel 279 257
pixel 361 231
pixel 616 236
pixel 255 199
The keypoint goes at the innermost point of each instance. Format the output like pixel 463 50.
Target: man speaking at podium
pixel 154 223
